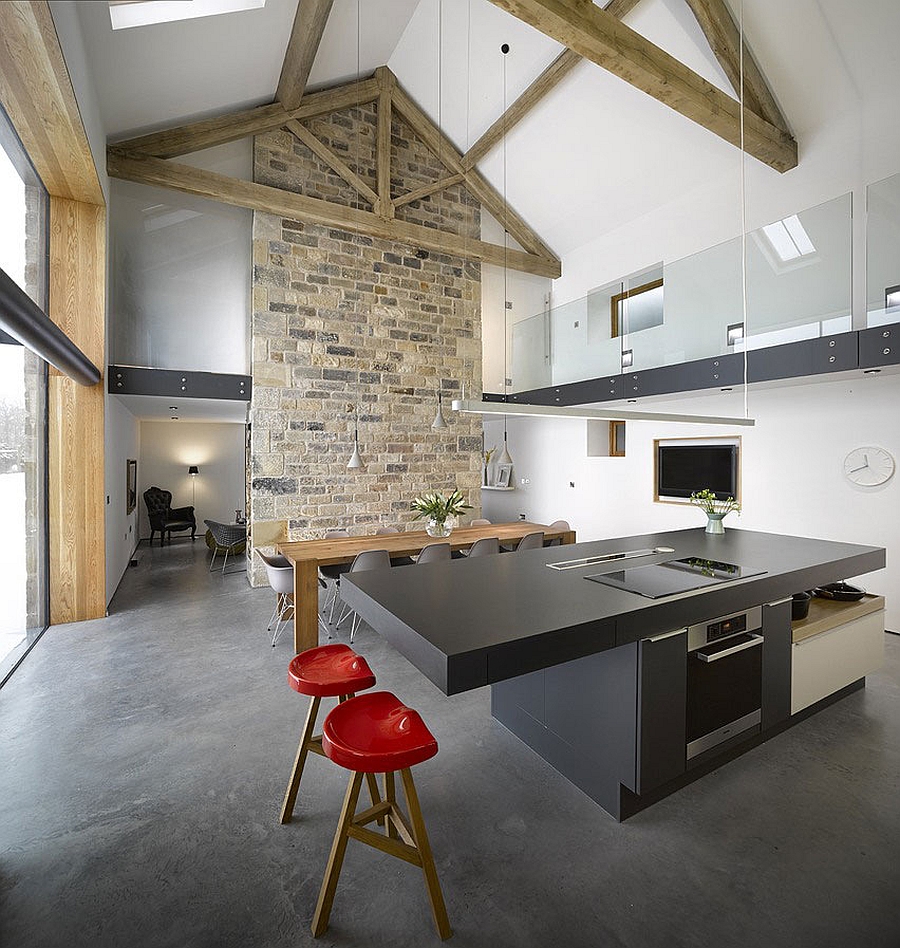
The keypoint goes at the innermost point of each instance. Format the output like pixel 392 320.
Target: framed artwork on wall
pixel 130 485
pixel 504 473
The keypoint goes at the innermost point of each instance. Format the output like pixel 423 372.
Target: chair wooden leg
pixel 374 794
pixel 336 857
pixel 290 796
pixel 390 794
pixel 438 909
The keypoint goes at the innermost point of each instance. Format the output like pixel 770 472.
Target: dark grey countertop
pixel 469 623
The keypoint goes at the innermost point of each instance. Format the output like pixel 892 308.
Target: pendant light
pixel 504 454
pixel 439 420
pixel 356 461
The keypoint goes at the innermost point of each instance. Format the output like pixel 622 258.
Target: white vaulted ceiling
pixel 156 75
pixel 593 156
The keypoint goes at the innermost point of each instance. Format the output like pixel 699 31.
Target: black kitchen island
pixel 598 679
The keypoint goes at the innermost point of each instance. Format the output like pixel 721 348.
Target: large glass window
pixel 23 412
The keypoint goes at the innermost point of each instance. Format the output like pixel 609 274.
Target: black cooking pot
pixel 800 605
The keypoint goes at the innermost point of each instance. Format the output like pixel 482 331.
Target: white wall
pixel 792 480
pixel 169 448
pixel 180 269
pixel 123 441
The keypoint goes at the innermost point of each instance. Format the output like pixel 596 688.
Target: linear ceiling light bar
pixel 24 320
pixel 593 414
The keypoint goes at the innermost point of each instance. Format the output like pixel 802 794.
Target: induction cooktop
pixel 674 576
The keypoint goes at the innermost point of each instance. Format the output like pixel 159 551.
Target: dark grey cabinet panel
pixel 662 698
pixel 879 346
pixel 776 664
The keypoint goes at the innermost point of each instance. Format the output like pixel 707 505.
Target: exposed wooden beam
pixel 724 38
pixel 428 189
pixel 37 94
pixel 386 82
pixel 620 8
pixel 549 79
pixel 599 36
pixel 337 164
pixel 480 187
pixel 218 187
pixel 306 34
pixel 183 139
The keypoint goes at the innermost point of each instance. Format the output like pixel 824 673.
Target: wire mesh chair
pixel 228 538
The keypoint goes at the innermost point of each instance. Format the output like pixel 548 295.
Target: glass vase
pixel 438 528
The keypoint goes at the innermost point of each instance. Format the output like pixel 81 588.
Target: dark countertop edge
pixel 464 671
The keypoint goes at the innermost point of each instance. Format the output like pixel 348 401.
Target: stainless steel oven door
pixel 724 691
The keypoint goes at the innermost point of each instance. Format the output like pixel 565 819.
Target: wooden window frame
pixel 614 301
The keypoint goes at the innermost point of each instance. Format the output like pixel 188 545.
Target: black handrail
pixel 26 322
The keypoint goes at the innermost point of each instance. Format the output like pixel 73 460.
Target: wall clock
pixel 869 466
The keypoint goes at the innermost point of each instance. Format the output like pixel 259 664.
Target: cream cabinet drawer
pixel 827 662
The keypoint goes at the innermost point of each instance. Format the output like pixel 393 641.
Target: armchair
pixel 164 518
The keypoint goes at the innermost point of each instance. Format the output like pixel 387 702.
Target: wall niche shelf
pixel 493 487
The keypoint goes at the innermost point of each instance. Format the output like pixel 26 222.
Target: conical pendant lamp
pixel 356 462
pixel 504 454
pixel 439 420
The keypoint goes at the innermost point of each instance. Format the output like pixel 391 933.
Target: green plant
pixel 434 506
pixel 489 453
pixel 707 501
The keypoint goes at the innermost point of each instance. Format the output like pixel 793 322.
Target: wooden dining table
pixel 308 555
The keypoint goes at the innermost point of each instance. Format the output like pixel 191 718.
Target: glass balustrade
pixel 799 286
pixel 883 252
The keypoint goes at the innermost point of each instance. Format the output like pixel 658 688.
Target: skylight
pixel 788 238
pixel 125 14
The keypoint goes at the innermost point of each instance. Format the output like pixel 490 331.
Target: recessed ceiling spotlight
pixel 632 401
pixel 174 417
pixel 173 408
pixel 871 371
pixel 727 390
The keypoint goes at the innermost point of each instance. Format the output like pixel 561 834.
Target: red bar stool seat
pixel 369 734
pixel 327 671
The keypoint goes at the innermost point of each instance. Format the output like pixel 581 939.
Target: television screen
pixel 683 469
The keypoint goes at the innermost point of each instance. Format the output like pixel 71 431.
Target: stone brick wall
pixel 340 320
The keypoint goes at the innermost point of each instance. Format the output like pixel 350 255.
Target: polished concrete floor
pixel 144 758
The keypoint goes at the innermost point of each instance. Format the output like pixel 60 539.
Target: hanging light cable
pixel 504 454
pixel 356 462
pixel 439 420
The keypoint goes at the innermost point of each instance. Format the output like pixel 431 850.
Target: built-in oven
pixel 724 680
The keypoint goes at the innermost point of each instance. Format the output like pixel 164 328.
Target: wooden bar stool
pixel 327 671
pixel 377 733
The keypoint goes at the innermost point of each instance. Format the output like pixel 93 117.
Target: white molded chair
pixel 333 573
pixel 365 560
pixel 280 573
pixel 392 531
pixel 434 553
pixel 557 525
pixel 480 523
pixel 531 541
pixel 484 547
